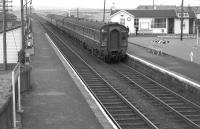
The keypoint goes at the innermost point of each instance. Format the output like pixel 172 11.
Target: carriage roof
pixel 84 22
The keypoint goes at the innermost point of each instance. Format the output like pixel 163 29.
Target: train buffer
pixel 157 46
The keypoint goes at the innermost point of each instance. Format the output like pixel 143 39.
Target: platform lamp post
pixel 30 16
pixel 182 20
pixel 27 17
pixel 22 25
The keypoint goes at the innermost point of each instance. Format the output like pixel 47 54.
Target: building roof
pixel 9 16
pixel 159 7
pixel 163 13
pixel 196 9
pixel 150 13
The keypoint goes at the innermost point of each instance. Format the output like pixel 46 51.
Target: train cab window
pixel 104 37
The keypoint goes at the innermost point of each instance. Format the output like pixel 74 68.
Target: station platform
pixel 167 60
pixel 55 102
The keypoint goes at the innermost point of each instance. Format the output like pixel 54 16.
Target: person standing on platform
pixel 136 30
pixel 127 29
pixel 191 56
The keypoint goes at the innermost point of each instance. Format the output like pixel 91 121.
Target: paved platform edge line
pixel 169 72
pixel 101 115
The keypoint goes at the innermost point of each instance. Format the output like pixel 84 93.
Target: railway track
pixel 176 104
pixel 120 110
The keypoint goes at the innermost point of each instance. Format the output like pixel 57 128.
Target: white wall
pixel 13 39
pixel 130 24
pixel 177 26
pixel 198 16
pixel 145 24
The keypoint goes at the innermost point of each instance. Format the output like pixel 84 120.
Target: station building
pixel 154 21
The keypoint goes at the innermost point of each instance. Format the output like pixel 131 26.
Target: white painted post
pixel 19 92
pixel 13 100
pixel 191 56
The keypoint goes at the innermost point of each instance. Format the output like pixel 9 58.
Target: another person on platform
pixel 127 29
pixel 136 30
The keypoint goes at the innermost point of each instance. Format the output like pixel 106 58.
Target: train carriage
pixel 108 41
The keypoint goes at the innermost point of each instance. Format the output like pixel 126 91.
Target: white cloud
pixel 99 3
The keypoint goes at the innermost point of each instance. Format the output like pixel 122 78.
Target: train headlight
pixel 103 31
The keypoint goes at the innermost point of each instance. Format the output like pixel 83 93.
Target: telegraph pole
pixel 22 25
pixel 77 12
pixel 26 18
pixel 4 36
pixel 30 17
pixel 182 20
pixel 104 10
pixel 153 5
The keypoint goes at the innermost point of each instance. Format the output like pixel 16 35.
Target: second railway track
pixel 178 105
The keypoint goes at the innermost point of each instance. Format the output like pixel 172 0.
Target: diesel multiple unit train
pixel 108 41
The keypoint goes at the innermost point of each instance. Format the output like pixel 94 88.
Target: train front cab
pixel 114 37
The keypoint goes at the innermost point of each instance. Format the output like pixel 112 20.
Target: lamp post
pixel 182 20
pixel 4 36
pixel 104 10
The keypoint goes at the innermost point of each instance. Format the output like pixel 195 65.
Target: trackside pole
pixel 19 92
pixel 13 100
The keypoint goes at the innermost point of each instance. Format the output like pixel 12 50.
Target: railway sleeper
pixel 131 120
pixel 188 113
pixel 121 112
pixel 169 101
pixel 96 84
pixel 107 97
pixel 113 103
pixel 193 116
pixel 109 100
pixel 162 95
pixel 134 125
pixel 117 107
pixel 104 91
pixel 184 109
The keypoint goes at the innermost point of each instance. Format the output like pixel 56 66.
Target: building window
pixel 158 23
pixel 184 15
pixel 136 22
pixel 122 21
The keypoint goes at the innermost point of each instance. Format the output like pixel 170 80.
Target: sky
pixel 120 4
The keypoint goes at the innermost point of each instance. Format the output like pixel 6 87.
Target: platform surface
pixel 54 102
pixel 174 58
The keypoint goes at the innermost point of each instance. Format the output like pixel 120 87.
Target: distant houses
pixel 11 20
pixel 157 20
